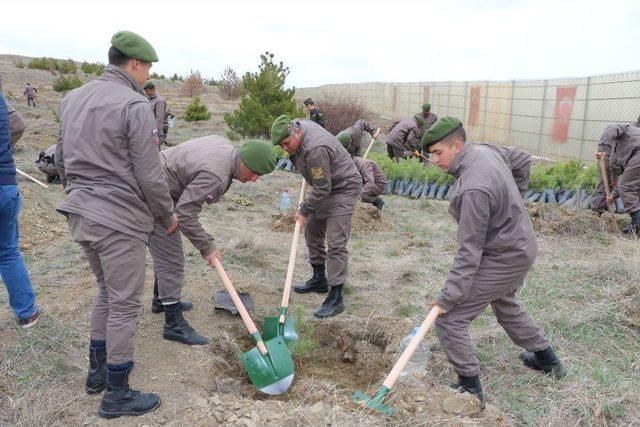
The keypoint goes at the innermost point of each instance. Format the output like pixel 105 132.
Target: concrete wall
pixel 555 118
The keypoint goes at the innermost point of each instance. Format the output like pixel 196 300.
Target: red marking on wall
pixel 474 106
pixel 425 94
pixel 394 100
pixel 565 97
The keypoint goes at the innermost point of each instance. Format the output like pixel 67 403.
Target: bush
pixel 266 99
pixel 96 68
pixel 196 111
pixel 19 64
pixel 176 78
pixel 340 111
pixel 410 170
pixel 157 76
pixel 47 64
pixel 66 67
pixel 229 84
pixel 66 83
pixel 193 85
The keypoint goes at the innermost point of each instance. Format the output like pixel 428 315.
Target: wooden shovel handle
pixel 246 318
pixel 605 181
pixel 292 256
pixel 32 178
pixel 373 139
pixel 411 348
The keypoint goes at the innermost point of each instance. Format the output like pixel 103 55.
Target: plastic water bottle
pixel 170 122
pixel 418 361
pixel 285 200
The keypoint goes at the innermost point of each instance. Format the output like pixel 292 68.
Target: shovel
pixel 268 364
pixel 373 139
pixel 605 180
pixel 285 326
pixel 376 402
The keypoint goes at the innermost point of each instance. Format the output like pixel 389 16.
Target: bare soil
pixel 399 259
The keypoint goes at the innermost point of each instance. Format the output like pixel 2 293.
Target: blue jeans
pixel 12 268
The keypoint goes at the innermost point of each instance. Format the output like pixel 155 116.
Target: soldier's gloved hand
pixel 173 224
pixel 378 203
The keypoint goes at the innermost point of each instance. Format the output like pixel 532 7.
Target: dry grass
pixel 582 290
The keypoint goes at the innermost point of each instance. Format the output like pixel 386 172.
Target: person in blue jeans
pixel 12 268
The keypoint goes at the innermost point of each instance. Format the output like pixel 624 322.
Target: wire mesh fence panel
pixel 555 118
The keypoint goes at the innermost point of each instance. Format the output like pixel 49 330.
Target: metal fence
pixel 555 118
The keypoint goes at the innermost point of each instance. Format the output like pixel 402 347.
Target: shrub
pixel 47 64
pixel 66 67
pixel 19 64
pixel 340 111
pixel 193 85
pixel 266 99
pixel 176 78
pixel 157 76
pixel 66 83
pixel 229 84
pixel 196 111
pixel 96 68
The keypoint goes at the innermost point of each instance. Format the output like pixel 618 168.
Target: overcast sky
pixel 327 41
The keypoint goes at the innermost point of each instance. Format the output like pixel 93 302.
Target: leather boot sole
pixel 159 308
pixel 95 390
pixel 115 414
pixel 308 291
pixel 336 310
pixel 182 340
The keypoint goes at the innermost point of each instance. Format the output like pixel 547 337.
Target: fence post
pixel 540 136
pixel 464 107
pixel 448 98
pixel 585 114
pixel 484 115
pixel 513 88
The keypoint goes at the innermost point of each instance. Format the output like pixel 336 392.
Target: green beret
pixel 280 129
pixel 419 119
pixel 426 107
pixel 149 85
pixel 258 156
pixel 440 130
pixel 134 46
pixel 344 138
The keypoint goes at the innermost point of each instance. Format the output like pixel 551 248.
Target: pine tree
pixel 265 100
pixel 196 111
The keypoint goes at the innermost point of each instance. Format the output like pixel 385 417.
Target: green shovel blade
pixel 272 373
pixel 272 328
pixel 374 403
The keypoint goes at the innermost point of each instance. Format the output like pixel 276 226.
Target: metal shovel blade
pixel 273 328
pixel 222 300
pixel 375 402
pixel 272 373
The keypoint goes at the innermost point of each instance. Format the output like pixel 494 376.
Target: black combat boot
pixel 97 376
pixel 545 361
pixel 378 203
pixel 317 283
pixel 634 227
pixel 470 385
pixel 176 327
pixel 156 304
pixel 333 305
pixel 120 400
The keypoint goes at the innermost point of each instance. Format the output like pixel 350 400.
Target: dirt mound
pixel 283 221
pixel 366 219
pixel 550 219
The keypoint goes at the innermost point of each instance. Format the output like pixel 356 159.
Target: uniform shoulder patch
pixel 317 173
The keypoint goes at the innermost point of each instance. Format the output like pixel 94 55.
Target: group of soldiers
pixel 123 195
